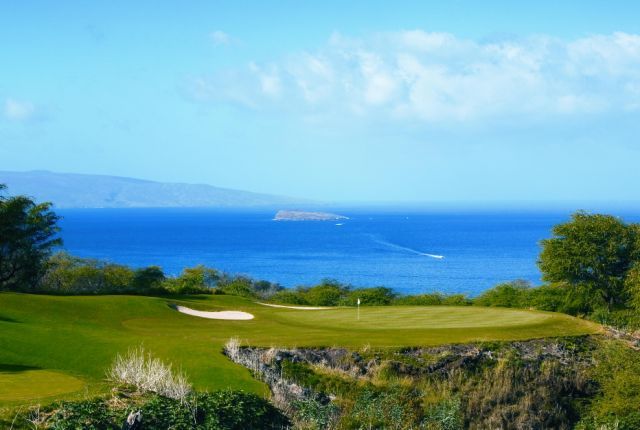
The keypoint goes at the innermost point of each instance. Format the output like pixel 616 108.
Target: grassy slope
pixel 78 337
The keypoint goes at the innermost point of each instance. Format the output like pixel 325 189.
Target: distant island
pixel 71 190
pixel 307 216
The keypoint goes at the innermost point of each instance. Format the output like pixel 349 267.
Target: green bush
pixel 92 414
pixel 456 300
pixel 315 414
pixel 513 294
pixel 617 373
pixel 445 415
pixel 66 274
pixel 303 375
pixel 328 293
pixel 377 296
pixel 237 286
pixel 548 298
pixel 220 410
pixel 393 408
pixel 290 297
pixel 432 299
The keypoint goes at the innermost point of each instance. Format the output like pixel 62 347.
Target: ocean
pixel 411 252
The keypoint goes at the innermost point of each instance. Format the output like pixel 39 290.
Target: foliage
pixel 431 299
pixel 327 293
pixel 377 296
pixel 632 285
pixel 237 286
pixel 303 374
pixel 93 414
pixel 513 294
pixel 66 274
pixel 290 297
pixel 548 298
pixel 192 280
pixel 590 255
pixel 219 410
pixel 315 414
pixel 148 279
pixel 391 408
pixel 27 236
pixel 456 300
pixel 617 373
pixel 245 286
pixel 333 293
pixel 445 415
pixel 535 384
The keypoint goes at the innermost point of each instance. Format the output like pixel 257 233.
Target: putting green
pixel 17 385
pixel 81 335
pixel 425 317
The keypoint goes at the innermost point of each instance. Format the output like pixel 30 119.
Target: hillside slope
pixel 69 190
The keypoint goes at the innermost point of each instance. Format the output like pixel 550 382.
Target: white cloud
pixel 219 37
pixel 438 77
pixel 18 110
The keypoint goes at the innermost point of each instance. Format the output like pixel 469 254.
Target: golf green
pixel 60 347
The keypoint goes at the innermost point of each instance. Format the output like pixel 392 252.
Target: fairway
pixel 60 347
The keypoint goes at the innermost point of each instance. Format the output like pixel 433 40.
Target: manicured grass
pixel 25 384
pixel 78 337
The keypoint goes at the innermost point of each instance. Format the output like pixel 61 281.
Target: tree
pixel 27 237
pixel 591 255
pixel 148 279
pixel 328 293
pixel 632 284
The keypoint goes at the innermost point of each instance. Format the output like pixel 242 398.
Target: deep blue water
pixel 370 249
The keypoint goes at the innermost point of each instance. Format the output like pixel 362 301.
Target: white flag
pixel 358 302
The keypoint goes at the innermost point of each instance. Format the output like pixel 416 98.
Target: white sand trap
pixel 220 315
pixel 302 308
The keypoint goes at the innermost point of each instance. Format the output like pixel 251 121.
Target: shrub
pixel 377 296
pixel 456 300
pixel 513 294
pixel 266 289
pixel 232 349
pixel 394 408
pixel 93 414
pixel 431 299
pixel 290 297
pixel 66 274
pixel 220 410
pixel 236 410
pixel 548 298
pixel 148 279
pixel 445 415
pixel 618 374
pixel 314 414
pixel 328 293
pixel 237 286
pixel 148 374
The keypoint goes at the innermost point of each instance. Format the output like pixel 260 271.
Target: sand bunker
pixel 220 315
pixel 303 308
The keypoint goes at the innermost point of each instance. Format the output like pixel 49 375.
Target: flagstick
pixel 358 309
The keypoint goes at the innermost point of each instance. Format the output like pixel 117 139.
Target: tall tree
pixel 27 236
pixel 591 254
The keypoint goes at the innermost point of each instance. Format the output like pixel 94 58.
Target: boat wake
pixel 405 249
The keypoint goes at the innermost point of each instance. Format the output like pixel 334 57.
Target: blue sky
pixel 343 101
